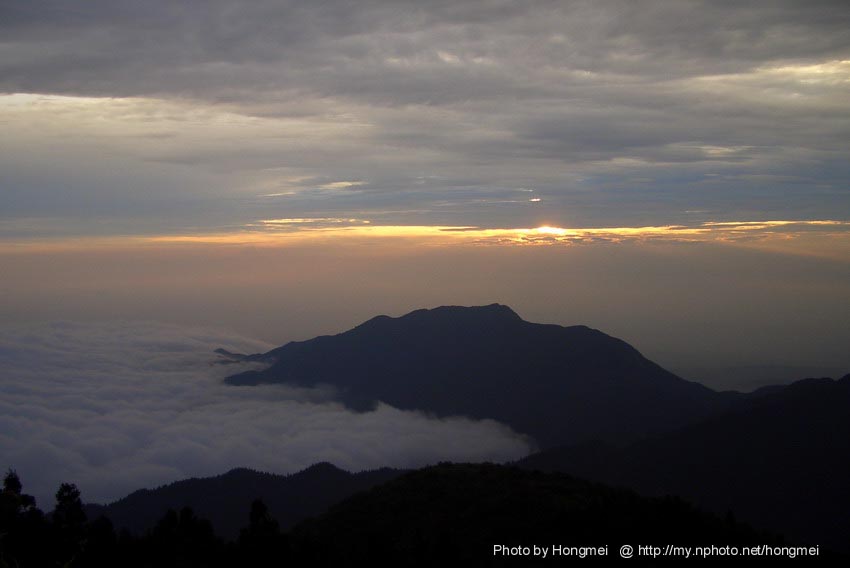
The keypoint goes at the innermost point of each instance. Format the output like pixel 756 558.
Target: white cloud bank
pixel 116 407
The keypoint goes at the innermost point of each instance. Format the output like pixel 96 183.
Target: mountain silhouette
pixel 226 499
pixel 779 459
pixel 557 384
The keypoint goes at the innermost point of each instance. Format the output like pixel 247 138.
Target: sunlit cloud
pixel 835 72
pixel 312 220
pixel 341 184
pixel 546 234
pixel 280 232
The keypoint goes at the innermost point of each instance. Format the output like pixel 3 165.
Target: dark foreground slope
pixel 226 499
pixel 456 514
pixel 444 515
pixel 780 460
pixel 557 384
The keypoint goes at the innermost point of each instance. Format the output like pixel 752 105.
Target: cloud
pixel 610 110
pixel 401 51
pixel 119 406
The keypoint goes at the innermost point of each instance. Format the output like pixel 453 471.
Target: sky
pixel 674 173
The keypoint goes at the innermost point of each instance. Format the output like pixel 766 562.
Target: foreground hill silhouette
pixel 779 460
pixel 225 499
pixel 442 515
pixel 458 512
pixel 556 384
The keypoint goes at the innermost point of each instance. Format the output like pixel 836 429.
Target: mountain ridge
pixel 225 499
pixel 555 383
pixel 465 511
pixel 777 459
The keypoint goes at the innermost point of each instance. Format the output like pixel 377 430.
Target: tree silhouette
pixel 101 545
pixel 262 543
pixel 182 540
pixel 68 514
pixel 12 483
pixel 23 530
pixel 69 523
pixel 15 502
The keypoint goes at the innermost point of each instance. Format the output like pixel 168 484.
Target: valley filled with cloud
pixel 120 406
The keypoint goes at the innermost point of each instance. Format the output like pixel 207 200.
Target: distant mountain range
pixel 456 509
pixel 778 459
pixel 559 385
pixel 225 500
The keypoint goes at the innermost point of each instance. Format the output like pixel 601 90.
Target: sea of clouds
pixel 114 407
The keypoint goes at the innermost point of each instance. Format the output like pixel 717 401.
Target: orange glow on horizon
pixel 828 238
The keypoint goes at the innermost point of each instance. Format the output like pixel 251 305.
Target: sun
pixel 547 230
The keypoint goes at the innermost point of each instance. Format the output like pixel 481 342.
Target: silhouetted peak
pixel 322 468
pixel 556 384
pixel 490 310
pixel 481 315
pixel 241 472
pixel 492 314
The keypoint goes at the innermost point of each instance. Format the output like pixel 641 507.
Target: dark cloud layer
pixel 353 48
pixel 680 105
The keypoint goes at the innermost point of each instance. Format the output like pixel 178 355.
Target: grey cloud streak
pixel 115 407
